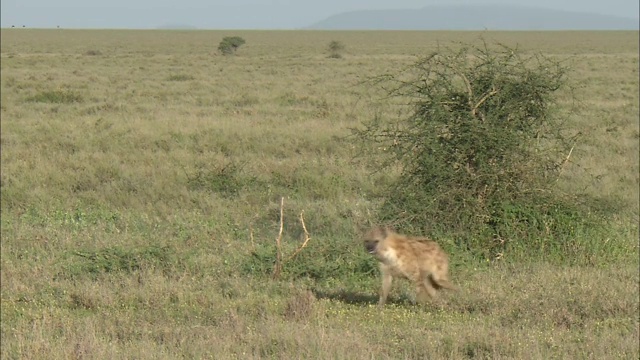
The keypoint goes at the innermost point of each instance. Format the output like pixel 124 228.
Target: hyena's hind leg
pixel 425 291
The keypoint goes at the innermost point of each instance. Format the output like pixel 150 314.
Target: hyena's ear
pixel 361 229
pixel 385 231
pixel 388 230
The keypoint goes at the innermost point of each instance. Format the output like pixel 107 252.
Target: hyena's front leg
pixel 387 279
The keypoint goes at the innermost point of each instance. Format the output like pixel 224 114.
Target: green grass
pixel 139 214
pixel 56 97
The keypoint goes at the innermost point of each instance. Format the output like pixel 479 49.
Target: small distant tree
pixel 230 44
pixel 335 49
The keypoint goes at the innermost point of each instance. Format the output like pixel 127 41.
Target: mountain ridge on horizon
pixel 474 17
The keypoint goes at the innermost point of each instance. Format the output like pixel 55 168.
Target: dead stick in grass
pixel 277 269
pixel 306 238
pixel 278 266
pixel 564 163
pixel 253 244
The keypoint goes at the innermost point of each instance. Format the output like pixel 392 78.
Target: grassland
pixel 141 182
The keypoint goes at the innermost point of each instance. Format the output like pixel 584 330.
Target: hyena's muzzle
pixel 371 246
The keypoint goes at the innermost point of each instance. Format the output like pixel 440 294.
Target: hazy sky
pixel 241 14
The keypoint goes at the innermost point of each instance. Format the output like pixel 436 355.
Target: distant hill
pixel 176 27
pixel 492 17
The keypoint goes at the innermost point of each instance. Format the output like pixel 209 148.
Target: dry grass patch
pixel 138 164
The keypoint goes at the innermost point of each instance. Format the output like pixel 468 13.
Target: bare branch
pixel 484 98
pixel 306 238
pixel 467 83
pixel 566 160
pixel 253 244
pixel 278 266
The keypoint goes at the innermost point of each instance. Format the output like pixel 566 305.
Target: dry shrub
pixel 300 306
pixel 479 150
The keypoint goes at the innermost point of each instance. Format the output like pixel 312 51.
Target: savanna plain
pixel 143 176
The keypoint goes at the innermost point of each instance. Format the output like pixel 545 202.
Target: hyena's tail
pixel 442 283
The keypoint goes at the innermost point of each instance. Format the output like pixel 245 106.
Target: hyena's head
pixel 373 238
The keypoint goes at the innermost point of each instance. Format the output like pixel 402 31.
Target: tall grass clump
pixel 56 97
pixel 479 151
pixel 180 77
pixel 118 259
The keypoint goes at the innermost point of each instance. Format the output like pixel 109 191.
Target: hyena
pixel 420 260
